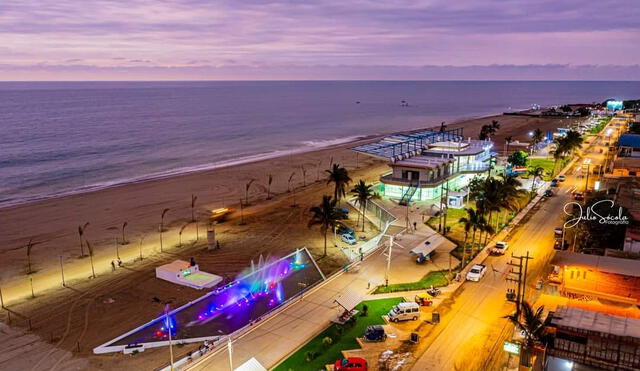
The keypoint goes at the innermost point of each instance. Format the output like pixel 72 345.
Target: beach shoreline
pixel 54 221
pixel 311 146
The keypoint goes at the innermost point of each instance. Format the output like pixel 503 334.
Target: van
pixel 404 311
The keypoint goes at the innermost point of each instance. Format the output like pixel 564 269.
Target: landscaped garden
pixel 435 279
pixel 327 346
pixel 601 124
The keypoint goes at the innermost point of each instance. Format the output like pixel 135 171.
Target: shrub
pixel 327 341
pixel 311 355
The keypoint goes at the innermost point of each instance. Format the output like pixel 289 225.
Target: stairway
pixel 406 197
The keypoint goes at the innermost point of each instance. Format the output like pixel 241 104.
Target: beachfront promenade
pixel 274 339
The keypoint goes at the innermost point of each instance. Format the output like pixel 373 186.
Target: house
pixel 590 338
pixel 629 145
pixel 430 165
pixel 594 276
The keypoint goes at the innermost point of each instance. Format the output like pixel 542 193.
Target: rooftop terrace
pixel 401 146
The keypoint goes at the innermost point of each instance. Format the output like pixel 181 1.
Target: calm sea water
pixel 65 137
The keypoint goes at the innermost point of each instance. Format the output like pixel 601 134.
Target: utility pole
pixel 521 280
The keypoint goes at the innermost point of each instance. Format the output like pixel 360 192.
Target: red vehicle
pixel 351 364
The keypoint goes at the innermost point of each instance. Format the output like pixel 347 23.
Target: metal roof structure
pixel 629 140
pixel 400 146
pixel 607 264
pixel 577 318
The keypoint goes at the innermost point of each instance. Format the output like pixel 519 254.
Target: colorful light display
pixel 263 285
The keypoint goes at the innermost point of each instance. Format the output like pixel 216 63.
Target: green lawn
pixel 545 163
pixel 344 338
pixel 435 279
pixel 601 124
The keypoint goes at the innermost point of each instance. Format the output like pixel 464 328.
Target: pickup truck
pixel 499 249
pixel 476 272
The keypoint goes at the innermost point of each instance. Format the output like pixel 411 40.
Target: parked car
pixel 476 272
pixel 344 212
pixel 554 183
pixel 404 311
pixel 548 193
pixel 499 249
pixel 342 229
pixel 351 364
pixel 375 333
pixel 561 178
pixel 558 232
pixel 348 239
pixel 578 196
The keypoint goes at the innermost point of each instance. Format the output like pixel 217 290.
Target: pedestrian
pixel 113 266
pixel 119 262
pixel 217 244
pixel 415 226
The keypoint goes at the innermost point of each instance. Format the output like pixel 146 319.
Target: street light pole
pixel 386 273
pixel 62 272
pixel 230 349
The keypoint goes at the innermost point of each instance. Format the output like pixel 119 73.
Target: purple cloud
pixel 176 35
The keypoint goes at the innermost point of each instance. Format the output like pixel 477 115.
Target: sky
pixel 319 39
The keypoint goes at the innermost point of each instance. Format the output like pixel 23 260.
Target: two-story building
pixel 441 164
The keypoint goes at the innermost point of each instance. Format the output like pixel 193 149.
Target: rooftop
pixel 468 147
pixel 175 266
pixel 423 162
pixel 400 146
pixel 629 140
pixel 577 318
pixel 606 264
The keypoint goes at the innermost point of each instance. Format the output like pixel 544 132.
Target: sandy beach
pixel 73 317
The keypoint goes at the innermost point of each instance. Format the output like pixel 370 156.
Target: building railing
pixel 391 178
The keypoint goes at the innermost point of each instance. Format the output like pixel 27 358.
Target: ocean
pixel 60 138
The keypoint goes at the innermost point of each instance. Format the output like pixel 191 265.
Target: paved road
pixel 470 335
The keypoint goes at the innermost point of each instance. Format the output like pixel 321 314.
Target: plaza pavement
pixel 272 340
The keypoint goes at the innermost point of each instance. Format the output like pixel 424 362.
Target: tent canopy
pixel 349 299
pixel 251 365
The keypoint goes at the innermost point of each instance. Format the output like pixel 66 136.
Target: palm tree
pixel 164 212
pixel 538 137
pixel 326 215
pixel 508 140
pixel 124 240
pixel 304 176
pixel 363 192
pixel 269 181
pixel 289 181
pixel 93 271
pixel 29 246
pixel 194 198
pixel 246 191
pixel 180 234
pixel 471 222
pixel 537 173
pixel 81 229
pixel 531 323
pixel 340 177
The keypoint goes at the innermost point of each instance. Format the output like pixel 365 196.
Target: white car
pixel 476 272
pixel 348 239
pixel 562 178
pixel 500 248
